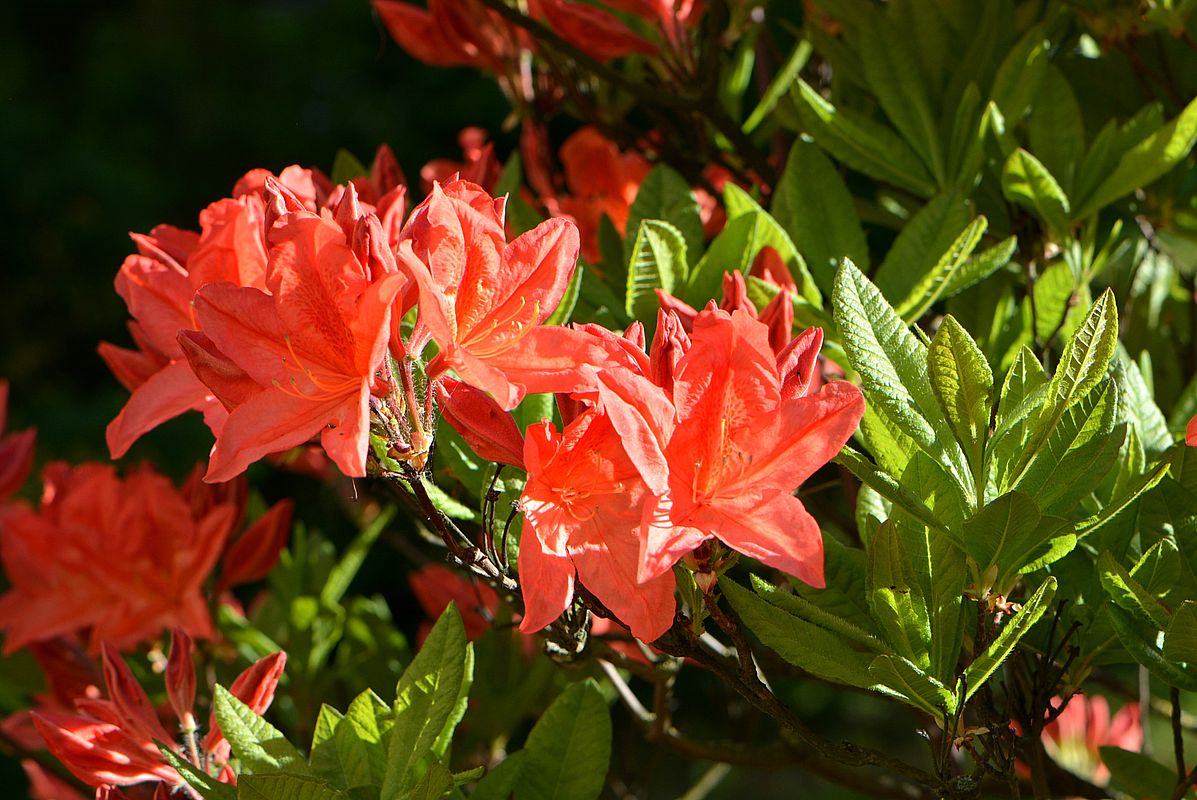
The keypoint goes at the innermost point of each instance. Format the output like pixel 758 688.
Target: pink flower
pixel 1075 738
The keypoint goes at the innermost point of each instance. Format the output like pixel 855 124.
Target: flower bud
pixel 180 677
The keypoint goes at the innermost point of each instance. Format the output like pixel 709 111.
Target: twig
pixel 707 783
pixel 1178 739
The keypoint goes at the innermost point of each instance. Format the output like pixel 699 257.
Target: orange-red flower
pixel 483 299
pixel 301 360
pixel 112 741
pixel 745 436
pixel 120 559
pixel 582 508
pixel 1074 739
pixel 436 586
pixel 1191 432
pixel 478 165
pixel 601 180
pixel 16 450
pixel 159 282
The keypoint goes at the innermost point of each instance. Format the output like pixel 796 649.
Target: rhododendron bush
pixel 809 390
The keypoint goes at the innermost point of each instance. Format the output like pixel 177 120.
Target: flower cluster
pixel 122 559
pixel 704 436
pixel 113 741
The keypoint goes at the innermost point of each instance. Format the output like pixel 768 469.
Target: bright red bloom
pixel 778 315
pixel 478 166
pixel 453 33
pixel 591 29
pixel 436 585
pixel 745 437
pixel 16 451
pixel 111 741
pixel 1075 738
pixel 45 785
pixel 488 429
pixel 601 180
pixel 160 281
pixel 1191 432
pixel 582 508
pixel 119 558
pixel 301 360
pixel 483 299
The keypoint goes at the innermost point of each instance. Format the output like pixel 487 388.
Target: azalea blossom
pixel 118 559
pixel 452 33
pixel 582 507
pixel 111 741
pixel 16 450
pixel 482 299
pixel 1074 739
pixel 159 282
pixel 301 360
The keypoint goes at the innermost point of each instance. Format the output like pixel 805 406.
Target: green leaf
pixel 1083 364
pixel 963 384
pixel 1180 643
pixel 892 73
pixel 803 644
pixel 352 559
pixel 429 701
pixel 346 167
pixel 913 685
pixel 812 203
pixel 284 787
pixel 569 748
pixel 1138 775
pixel 923 240
pixel 1115 506
pixel 208 787
pixel 931 285
pixel 1055 294
pixel 360 740
pixel 884 484
pixel 1056 128
pixel 1002 529
pixel 895 595
pixel 1149 159
pixel 965 147
pixel 500 782
pixel 893 367
pixel 1130 595
pixel 433 785
pixel 780 85
pixel 805 609
pixel 1021 397
pixel 1077 454
pixel 1020 75
pixel 658 262
pixel 511 177
pixel 1139 405
pixel 1139 641
pixel 1028 183
pixel 324 759
pixel 861 143
pixel 1158 569
pixel 736 247
pixel 665 195
pixel 985 664
pixel 260 746
pixel 979 267
pixel 569 301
